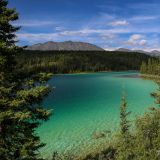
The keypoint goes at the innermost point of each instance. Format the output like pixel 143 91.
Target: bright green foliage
pixel 20 97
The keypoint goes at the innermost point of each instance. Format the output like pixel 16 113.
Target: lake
pixel 88 104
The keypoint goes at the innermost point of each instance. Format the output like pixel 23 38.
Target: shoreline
pixel 151 77
pixel 89 72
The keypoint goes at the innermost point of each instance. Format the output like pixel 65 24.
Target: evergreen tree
pixel 79 61
pixel 125 139
pixel 124 123
pixel 20 97
pixel 143 68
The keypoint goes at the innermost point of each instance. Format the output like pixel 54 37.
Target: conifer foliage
pixel 20 97
pixel 79 61
pixel 124 123
pixel 124 151
pixel 152 67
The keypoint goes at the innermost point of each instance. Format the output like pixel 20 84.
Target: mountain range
pixel 80 46
pixel 155 53
pixel 67 46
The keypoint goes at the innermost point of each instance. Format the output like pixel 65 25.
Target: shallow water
pixel 86 105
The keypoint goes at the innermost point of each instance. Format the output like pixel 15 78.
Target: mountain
pixel 141 51
pixel 154 53
pixel 130 50
pixel 67 46
pixel 124 50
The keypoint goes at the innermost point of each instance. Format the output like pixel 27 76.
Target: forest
pixel 74 61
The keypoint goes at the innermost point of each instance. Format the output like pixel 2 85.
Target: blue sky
pixel 110 24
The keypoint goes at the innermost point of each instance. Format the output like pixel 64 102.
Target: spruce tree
pixel 125 139
pixel 20 97
pixel 124 123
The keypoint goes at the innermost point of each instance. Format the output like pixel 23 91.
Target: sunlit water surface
pixel 86 105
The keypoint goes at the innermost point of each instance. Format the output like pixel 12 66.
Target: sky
pixel 110 24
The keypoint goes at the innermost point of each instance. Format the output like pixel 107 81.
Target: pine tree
pixel 124 123
pixel 20 97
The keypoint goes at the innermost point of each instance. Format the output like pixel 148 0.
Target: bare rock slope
pixel 67 45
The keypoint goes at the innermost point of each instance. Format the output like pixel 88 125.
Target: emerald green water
pixel 88 104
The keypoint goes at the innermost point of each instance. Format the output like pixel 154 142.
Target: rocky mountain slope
pixel 67 46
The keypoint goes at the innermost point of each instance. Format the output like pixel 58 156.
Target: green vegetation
pixel 152 67
pixel 20 97
pixel 79 61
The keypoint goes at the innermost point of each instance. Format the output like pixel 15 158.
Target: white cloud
pixel 108 36
pixel 73 33
pixel 144 18
pixel 110 48
pixel 134 39
pixel 119 23
pixel 59 28
pixel 105 33
pixel 142 42
pixel 86 32
pixel 33 37
pixel 34 23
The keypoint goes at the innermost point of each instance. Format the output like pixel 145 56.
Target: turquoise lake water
pixel 88 104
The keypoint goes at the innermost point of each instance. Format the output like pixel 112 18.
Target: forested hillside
pixel 79 61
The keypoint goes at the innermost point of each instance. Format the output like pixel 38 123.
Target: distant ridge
pixel 123 50
pixel 154 53
pixel 80 46
pixel 67 45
